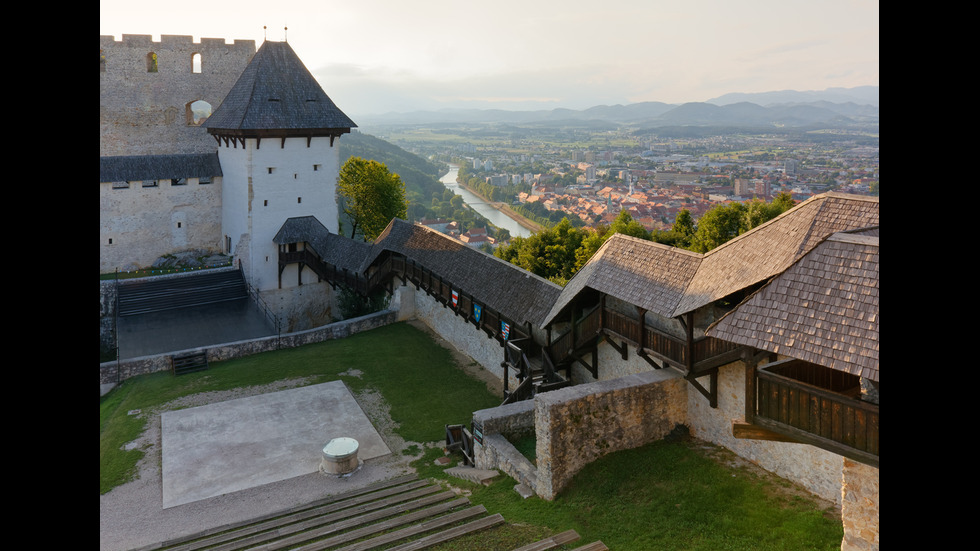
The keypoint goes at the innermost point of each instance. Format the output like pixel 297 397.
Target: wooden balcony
pixel 700 354
pixel 818 406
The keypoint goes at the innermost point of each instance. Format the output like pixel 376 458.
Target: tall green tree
pixel 371 197
pixel 549 253
pixel 725 222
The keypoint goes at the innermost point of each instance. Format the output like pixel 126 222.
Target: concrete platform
pixel 239 444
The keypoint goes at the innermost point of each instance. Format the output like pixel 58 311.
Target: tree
pixel 725 222
pixel 549 253
pixel 684 223
pixel 371 195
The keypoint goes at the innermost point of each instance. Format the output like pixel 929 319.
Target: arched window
pixel 198 112
pixel 195 63
pixel 151 62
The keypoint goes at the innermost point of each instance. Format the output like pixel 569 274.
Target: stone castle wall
pixel 141 221
pixel 144 109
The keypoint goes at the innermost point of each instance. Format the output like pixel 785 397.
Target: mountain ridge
pixel 838 106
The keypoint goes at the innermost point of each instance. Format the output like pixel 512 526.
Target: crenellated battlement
pixel 175 41
pixel 152 91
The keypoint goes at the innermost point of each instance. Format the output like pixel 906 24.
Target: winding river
pixel 496 217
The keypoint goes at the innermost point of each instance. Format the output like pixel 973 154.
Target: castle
pixel 767 345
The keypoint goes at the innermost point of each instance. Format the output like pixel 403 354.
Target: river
pixel 496 217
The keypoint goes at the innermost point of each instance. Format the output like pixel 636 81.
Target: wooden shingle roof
pixel 767 250
pixel 277 92
pixel 122 168
pixel 823 309
pixel 671 282
pixel 514 292
pixel 340 251
pixel 650 275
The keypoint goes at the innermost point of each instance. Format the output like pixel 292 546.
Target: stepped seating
pixel 402 514
pixel 167 293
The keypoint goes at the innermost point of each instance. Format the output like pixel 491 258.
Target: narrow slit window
pixel 196 63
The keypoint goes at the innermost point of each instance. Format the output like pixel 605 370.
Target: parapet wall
pixel 859 507
pixel 577 425
pixel 116 372
pixel 146 88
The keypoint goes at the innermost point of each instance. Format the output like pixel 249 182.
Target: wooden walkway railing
pixel 674 350
pixel 823 408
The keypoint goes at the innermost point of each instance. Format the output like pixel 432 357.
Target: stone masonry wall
pixel 859 507
pixel 145 112
pixel 464 336
pixel 496 451
pixel 140 223
pixel 579 424
pixel 116 372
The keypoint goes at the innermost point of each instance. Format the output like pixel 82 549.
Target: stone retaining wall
pixel 576 425
pixel 496 451
pixel 116 372
pixel 465 337
pixel 579 424
pixel 859 508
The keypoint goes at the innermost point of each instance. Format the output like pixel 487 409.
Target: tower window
pixel 299 199
pixel 196 63
pixel 151 62
pixel 197 112
pixel 270 169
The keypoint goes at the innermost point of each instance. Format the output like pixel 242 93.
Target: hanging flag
pixel 505 329
pixel 477 309
pixel 455 299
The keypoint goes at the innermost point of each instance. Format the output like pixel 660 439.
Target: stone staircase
pixel 401 514
pixel 170 292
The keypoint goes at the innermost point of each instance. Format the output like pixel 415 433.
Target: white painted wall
pixel 139 224
pixel 268 182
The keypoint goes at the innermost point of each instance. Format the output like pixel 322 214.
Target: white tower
pixel 277 134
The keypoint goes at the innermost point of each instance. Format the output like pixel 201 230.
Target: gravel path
pixel 132 516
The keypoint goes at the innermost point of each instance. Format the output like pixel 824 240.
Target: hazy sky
pixel 376 56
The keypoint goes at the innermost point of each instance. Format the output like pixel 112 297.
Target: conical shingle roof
pixel 276 92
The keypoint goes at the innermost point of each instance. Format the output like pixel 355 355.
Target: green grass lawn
pixel 661 496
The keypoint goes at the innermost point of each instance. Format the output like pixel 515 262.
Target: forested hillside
pixel 427 197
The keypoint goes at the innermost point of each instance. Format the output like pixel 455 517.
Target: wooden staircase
pixel 401 514
pixel 534 370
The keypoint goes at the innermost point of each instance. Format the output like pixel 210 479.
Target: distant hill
pixel 831 107
pixel 861 95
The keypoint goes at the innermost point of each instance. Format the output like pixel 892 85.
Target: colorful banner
pixel 505 329
pixel 455 299
pixel 477 310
